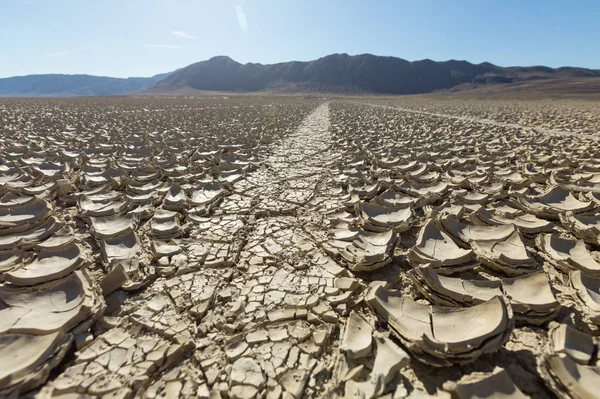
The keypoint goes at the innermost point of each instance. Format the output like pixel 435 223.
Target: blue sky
pixel 144 37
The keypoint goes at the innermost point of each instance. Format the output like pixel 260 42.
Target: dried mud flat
pixel 282 247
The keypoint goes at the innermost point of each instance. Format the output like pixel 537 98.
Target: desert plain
pixel 299 247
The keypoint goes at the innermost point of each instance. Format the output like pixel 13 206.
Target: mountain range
pixel 336 73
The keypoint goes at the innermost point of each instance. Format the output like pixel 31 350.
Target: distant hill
pixel 342 73
pixel 569 88
pixel 57 85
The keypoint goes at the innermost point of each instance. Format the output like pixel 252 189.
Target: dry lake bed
pixel 299 247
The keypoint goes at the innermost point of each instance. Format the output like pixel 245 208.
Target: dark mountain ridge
pixel 351 74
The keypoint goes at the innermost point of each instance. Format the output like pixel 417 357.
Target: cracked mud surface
pixel 279 247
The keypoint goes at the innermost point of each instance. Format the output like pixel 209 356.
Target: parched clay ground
pixel 283 247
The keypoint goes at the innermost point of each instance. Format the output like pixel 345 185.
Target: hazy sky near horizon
pixel 144 37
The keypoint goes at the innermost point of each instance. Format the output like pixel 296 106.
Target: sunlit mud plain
pixel 288 247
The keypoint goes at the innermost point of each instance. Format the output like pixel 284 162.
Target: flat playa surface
pixel 299 247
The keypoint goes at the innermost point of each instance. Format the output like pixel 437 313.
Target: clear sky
pixel 145 37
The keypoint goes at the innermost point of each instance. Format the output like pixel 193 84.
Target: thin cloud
pixel 59 53
pixel 166 45
pixel 70 52
pixel 241 17
pixel 182 34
